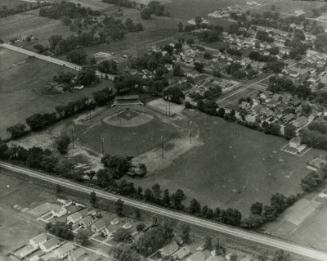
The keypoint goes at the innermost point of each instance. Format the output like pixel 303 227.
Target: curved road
pixel 231 231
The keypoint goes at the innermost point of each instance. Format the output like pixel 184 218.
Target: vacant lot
pixel 23 88
pixel 235 167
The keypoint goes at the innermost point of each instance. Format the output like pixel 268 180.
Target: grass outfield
pixel 236 166
pixel 21 96
pixel 129 141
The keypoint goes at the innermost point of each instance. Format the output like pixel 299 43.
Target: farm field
pixel 29 23
pixel 20 97
pixel 235 167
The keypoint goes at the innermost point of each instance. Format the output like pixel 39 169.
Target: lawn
pixel 21 96
pixel 235 167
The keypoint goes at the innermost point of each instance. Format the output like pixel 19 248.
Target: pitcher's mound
pixel 128 118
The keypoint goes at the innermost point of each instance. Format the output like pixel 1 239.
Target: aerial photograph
pixel 163 130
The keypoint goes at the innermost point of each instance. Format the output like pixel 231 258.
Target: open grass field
pixel 21 96
pixel 235 167
pixel 17 227
pixel 187 9
pixel 288 7
pixel 157 31
pixel 11 3
pixel 29 23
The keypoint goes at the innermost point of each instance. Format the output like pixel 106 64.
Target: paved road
pixel 52 60
pixel 232 231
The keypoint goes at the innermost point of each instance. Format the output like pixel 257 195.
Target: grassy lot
pixel 29 23
pixel 235 167
pixel 21 96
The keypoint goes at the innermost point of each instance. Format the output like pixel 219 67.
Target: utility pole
pixel 162 147
pixel 73 137
pixel 102 145
pixel 190 131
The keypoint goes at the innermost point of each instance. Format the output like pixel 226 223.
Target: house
pixel 182 253
pixel 64 250
pixel 25 251
pixel 77 254
pixel 74 218
pixel 50 245
pixel 39 239
pixel 197 256
pixel 300 122
pixel 98 226
pixel 86 221
pixel 59 212
pixel 169 249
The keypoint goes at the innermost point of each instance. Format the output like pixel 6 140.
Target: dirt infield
pixel 127 118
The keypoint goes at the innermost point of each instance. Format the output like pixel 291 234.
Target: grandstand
pixel 127 100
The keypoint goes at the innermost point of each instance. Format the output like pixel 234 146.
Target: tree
pixel 256 208
pixel 58 189
pixel 82 237
pixel 61 230
pixel 173 94
pixel 290 131
pixel 39 48
pixel 219 249
pixel 87 77
pixel 177 70
pixel 119 207
pixel 180 27
pixel 207 243
pixel 146 14
pixel 199 67
pixel 177 199
pixel 54 40
pixel 195 207
pixel 185 235
pixel 166 198
pixel 63 144
pixel 124 252
pixel 108 66
pixel 17 130
pixel 156 190
pixel 77 56
pixel 280 255
pixel 93 199
pixel 122 236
